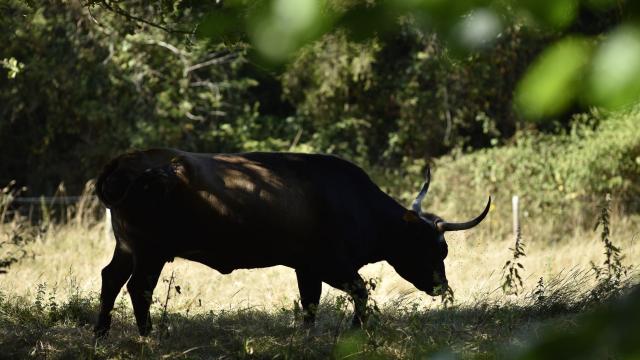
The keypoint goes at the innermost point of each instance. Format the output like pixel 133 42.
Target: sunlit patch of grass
pixel 48 300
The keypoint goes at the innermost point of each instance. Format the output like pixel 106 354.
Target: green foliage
pixel 57 106
pixel 321 83
pixel 553 80
pixel 405 95
pixel 84 93
pixel 13 67
pixel 13 240
pixel 279 28
pixel 598 71
pixel 85 88
pixel 365 19
pixel 555 175
pixel 611 331
pixel 612 272
pixel 614 76
pixel 84 83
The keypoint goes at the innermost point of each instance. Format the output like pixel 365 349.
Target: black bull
pixel 318 214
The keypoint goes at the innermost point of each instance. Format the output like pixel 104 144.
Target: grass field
pixel 48 300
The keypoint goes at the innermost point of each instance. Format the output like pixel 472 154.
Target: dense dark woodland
pixel 88 82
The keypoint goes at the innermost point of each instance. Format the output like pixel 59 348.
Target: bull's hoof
pixel 102 327
pixel 145 329
pixel 357 322
pixel 308 321
pixel 100 332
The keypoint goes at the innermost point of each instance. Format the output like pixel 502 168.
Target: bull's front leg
pixel 310 287
pixel 144 279
pixel 114 275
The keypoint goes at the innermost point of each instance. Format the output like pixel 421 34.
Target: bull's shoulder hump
pixel 220 172
pixel 270 166
pixel 148 158
pixel 290 159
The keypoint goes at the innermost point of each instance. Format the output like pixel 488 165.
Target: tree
pixel 598 68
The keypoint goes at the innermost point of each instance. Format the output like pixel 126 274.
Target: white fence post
pixel 515 202
pixel 108 230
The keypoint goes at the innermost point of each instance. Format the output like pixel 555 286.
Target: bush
pixel 405 94
pixel 562 177
pixel 79 87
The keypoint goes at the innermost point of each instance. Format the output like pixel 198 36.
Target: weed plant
pixel 512 283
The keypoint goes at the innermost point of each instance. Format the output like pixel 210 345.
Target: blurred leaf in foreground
pixel 553 13
pixel 611 332
pixel 553 81
pixel 350 344
pixel 280 27
pixel 477 29
pixel 615 75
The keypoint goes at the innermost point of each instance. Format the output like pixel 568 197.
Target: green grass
pixel 58 323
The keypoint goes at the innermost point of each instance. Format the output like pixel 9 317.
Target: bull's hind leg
pixel 145 276
pixel 310 287
pixel 114 275
pixel 356 288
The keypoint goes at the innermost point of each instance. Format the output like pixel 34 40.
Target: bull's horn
pixel 443 226
pixel 417 203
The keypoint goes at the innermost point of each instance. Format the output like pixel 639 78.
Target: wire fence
pixel 82 209
pixel 50 200
pixel 47 209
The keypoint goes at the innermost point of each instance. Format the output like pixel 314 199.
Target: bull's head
pixel 422 263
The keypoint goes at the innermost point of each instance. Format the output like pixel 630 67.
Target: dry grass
pixel 49 299
pixel 473 267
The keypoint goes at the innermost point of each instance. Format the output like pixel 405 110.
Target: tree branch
pixel 117 10
pixel 213 61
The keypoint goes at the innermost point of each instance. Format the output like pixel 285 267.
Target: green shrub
pixel 77 88
pixel 405 94
pixel 562 177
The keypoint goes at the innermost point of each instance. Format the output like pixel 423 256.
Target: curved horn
pixel 447 226
pixel 417 203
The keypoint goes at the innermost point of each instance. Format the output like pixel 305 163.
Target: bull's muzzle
pixel 440 285
pixel 439 289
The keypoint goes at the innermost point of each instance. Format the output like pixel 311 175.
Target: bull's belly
pixel 227 262
pixel 241 247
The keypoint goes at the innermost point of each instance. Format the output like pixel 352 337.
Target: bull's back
pixel 260 209
pixel 282 207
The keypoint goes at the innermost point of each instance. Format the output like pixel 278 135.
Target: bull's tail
pixel 103 193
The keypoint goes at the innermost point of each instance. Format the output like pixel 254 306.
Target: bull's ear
pixel 181 168
pixel 411 216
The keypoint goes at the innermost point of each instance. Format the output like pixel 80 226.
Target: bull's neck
pixel 391 232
